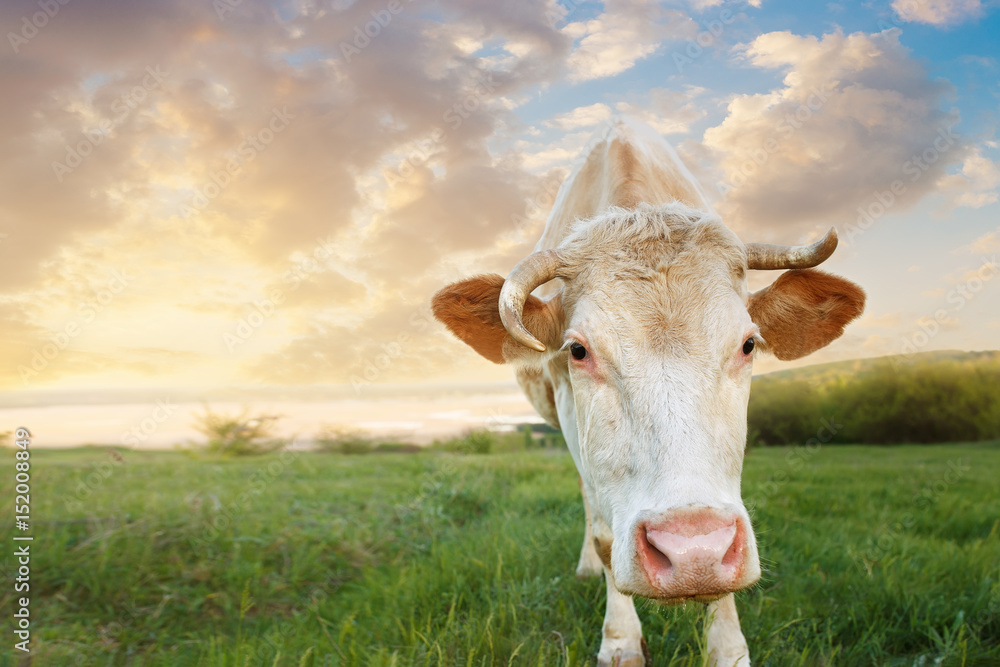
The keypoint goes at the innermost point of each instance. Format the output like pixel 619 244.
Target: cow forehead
pixel 642 240
pixel 671 273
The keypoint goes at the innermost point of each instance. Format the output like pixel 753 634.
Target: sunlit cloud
pixel 271 195
pixel 937 12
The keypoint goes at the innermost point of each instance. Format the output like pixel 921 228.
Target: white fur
pixel 665 427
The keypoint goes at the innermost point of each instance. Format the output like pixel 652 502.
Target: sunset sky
pixel 211 194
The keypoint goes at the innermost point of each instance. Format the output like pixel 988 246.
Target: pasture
pixel 872 556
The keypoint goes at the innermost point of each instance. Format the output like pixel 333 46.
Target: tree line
pixel 934 397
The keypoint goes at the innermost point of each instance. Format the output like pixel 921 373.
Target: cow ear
pixel 803 311
pixel 471 310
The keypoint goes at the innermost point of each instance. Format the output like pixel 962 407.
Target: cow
pixel 631 329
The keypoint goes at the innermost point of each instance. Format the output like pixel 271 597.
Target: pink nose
pixel 693 552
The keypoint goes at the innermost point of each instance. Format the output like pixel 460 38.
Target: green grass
pixel 872 556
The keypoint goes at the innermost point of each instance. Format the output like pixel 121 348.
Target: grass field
pixel 872 556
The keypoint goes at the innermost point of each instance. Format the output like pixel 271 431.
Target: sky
pixel 245 193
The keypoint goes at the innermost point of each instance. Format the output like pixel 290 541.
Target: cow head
pixel 649 346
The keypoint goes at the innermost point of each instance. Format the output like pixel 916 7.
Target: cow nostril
pixel 734 555
pixel 659 560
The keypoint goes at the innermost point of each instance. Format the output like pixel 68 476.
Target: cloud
pixel 886 321
pixel 667 111
pixel 580 117
pixel 939 13
pixel 985 271
pixel 538 155
pixel 381 152
pixel 855 113
pixel 626 32
pixel 975 185
pixel 877 344
pixel 322 290
pixel 400 343
pixel 702 5
pixel 945 323
pixel 372 168
pixel 987 243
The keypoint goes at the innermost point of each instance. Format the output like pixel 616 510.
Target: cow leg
pixel 590 563
pixel 621 643
pixel 723 637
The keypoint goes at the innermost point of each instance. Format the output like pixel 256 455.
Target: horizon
pixel 321 393
pixel 163 419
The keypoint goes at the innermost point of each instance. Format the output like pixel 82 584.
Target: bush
pixel 239 435
pixel 344 440
pixel 938 397
pixel 477 441
pixel 398 448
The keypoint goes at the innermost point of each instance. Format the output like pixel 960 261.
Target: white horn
pixel 768 256
pixel 532 271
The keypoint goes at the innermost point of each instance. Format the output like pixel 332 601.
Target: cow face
pixel 649 347
pixel 660 351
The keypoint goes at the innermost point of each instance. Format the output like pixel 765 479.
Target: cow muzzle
pixel 696 553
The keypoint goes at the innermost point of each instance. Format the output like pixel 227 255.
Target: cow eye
pixel 748 346
pixel 578 351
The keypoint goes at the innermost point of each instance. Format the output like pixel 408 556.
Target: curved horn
pixel 768 256
pixel 530 272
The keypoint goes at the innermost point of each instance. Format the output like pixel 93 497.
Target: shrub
pixel 477 441
pixel 344 440
pixel 238 435
pixel 936 397
pixel 398 448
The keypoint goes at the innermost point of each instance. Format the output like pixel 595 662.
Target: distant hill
pixel 820 372
pixel 927 397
